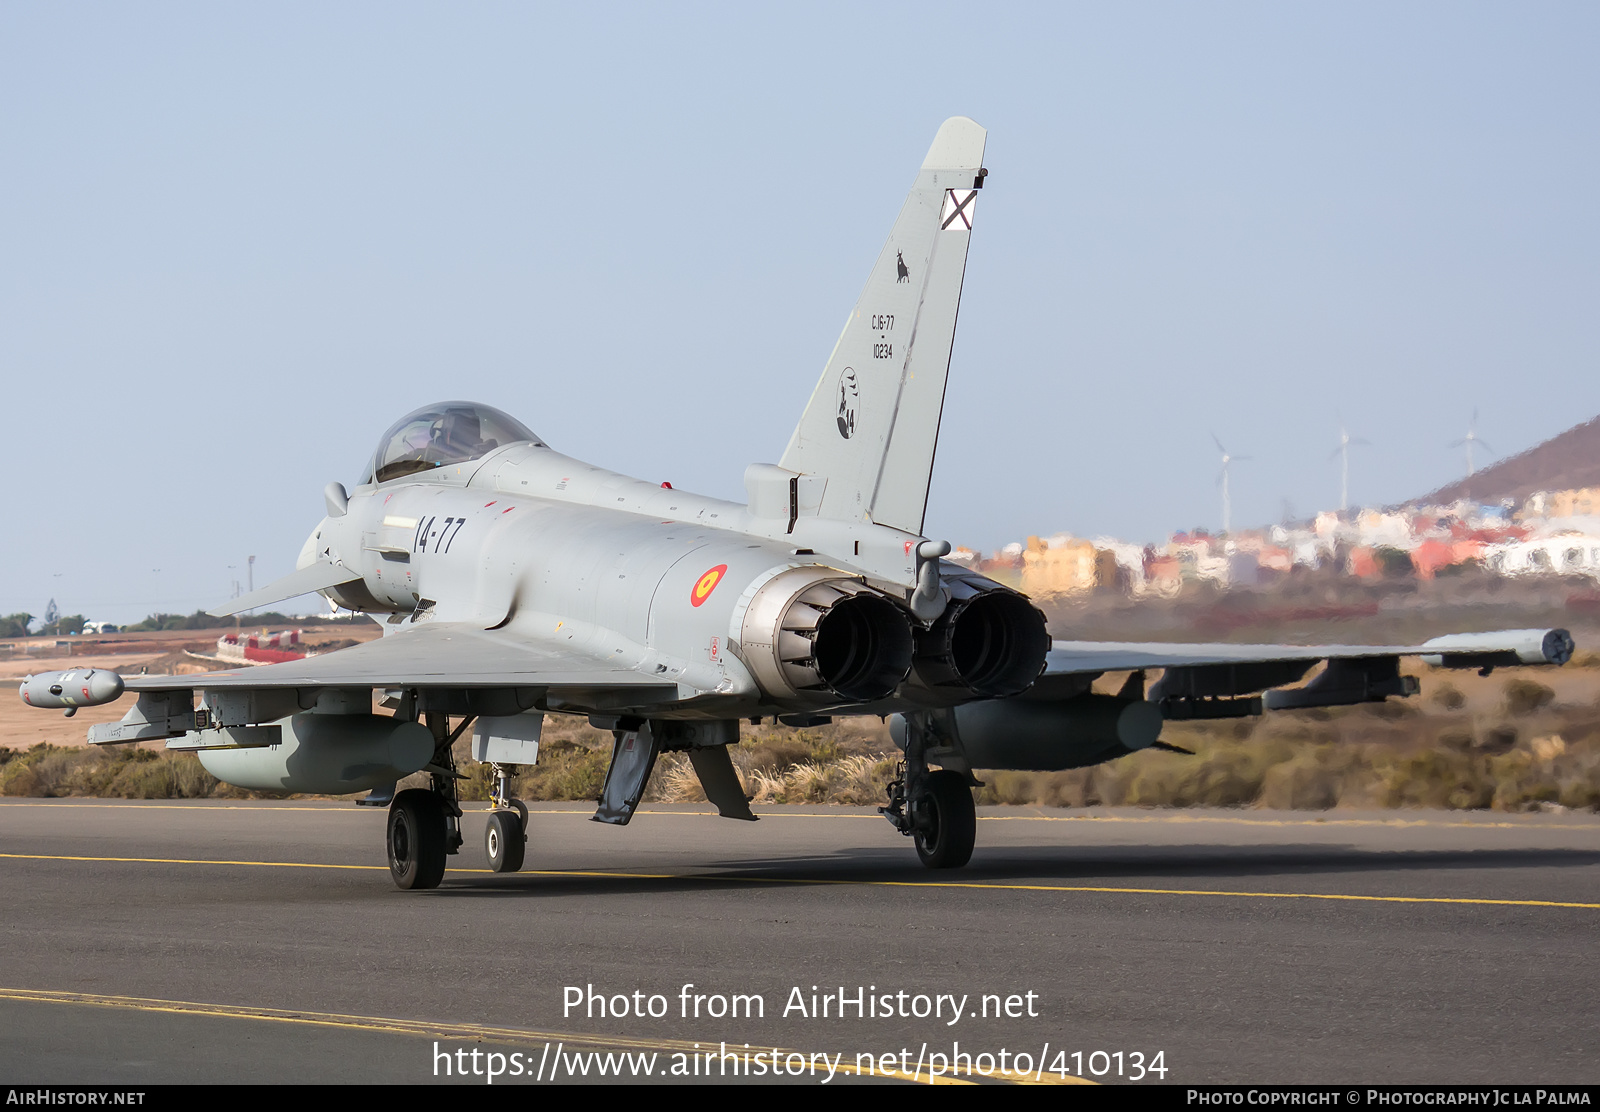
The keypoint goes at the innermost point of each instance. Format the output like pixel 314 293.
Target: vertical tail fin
pixel 872 425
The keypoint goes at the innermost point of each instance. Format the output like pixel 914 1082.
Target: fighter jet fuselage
pixel 750 608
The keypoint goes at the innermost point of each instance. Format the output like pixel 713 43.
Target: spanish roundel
pixel 706 584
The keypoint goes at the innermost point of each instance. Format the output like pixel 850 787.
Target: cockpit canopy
pixel 440 434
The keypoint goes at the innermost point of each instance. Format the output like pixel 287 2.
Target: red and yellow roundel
pixel 706 584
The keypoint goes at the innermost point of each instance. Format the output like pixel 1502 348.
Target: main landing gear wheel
pixel 417 839
pixel 504 841
pixel 946 821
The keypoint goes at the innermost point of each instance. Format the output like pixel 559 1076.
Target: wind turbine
pixel 1468 441
pixel 1343 452
pixel 1227 505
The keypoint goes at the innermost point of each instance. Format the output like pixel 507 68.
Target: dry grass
pixel 1528 753
pixel 123 773
pixel 848 762
pixel 857 779
pixel 1503 743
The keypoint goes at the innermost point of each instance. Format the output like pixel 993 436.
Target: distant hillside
pixel 1563 462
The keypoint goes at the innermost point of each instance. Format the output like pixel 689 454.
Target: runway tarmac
pixel 149 942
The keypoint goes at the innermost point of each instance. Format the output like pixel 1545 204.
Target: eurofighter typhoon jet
pixel 513 582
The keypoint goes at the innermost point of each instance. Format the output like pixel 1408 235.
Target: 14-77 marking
pixel 442 538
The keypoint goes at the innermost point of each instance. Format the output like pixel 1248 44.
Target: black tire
pixel 951 821
pixel 416 839
pixel 504 841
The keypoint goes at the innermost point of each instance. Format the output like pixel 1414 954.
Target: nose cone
pixel 101 686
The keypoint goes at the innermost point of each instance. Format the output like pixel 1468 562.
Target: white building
pixel 1565 553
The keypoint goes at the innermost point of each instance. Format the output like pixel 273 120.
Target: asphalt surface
pixel 148 942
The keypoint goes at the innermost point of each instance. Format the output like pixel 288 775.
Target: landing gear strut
pixel 425 823
pixel 933 807
pixel 505 839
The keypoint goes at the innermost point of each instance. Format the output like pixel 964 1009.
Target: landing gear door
pixel 632 759
pixel 510 740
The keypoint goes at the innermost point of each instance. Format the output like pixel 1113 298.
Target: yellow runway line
pixel 185 861
pixel 475 1032
pixel 1073 888
pixel 758 879
pixel 1244 895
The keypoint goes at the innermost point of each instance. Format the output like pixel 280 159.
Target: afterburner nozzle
pixel 81 687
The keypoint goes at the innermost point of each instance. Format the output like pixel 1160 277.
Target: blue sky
pixel 236 241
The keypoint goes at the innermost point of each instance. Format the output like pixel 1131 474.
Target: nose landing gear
pixel 505 839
